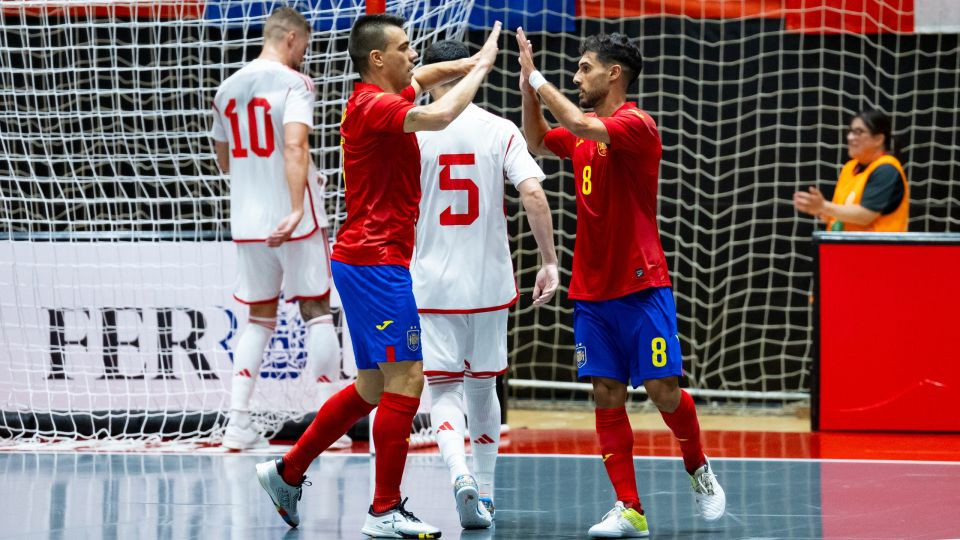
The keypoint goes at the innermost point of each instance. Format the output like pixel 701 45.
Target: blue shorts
pixel 630 339
pixel 381 313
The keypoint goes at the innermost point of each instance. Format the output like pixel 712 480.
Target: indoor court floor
pixel 550 484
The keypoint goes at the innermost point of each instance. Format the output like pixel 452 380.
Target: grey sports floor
pixel 151 496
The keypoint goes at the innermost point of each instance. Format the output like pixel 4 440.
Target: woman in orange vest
pixel 872 192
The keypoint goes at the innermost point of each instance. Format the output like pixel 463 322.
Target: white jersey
pixel 250 110
pixel 461 262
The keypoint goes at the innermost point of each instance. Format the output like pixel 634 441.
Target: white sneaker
pixel 243 438
pixel 473 514
pixel 342 443
pixel 397 523
pixel 707 491
pixel 487 503
pixel 621 522
pixel 284 496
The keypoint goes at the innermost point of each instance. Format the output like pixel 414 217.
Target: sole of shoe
pixel 468 499
pixel 374 533
pixel 262 477
pixel 613 534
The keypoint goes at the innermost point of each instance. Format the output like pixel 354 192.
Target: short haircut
pixel 444 51
pixel 282 20
pixel 616 49
pixel 367 35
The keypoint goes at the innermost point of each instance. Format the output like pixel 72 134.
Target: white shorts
pixel 301 269
pixel 472 345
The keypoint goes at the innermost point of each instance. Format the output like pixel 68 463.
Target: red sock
pixel 616 445
pixel 391 437
pixel 686 428
pixel 334 418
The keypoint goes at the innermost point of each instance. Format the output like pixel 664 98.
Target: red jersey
pixel 381 174
pixel 617 248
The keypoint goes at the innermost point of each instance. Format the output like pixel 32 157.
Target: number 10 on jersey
pixel 262 149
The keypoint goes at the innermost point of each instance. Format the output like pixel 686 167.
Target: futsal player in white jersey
pixel 263 115
pixel 464 284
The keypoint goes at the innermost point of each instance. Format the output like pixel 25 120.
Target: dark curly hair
pixel 616 48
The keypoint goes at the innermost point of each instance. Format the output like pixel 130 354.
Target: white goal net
pixel 117 319
pixel 752 100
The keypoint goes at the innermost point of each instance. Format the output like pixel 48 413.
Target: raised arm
pixel 566 112
pixel 541 223
pixel 440 113
pixel 296 165
pixel 429 76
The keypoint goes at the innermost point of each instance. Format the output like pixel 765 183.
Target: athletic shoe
pixel 707 491
pixel 397 523
pixel 284 496
pixel 621 522
pixel 243 438
pixel 342 443
pixel 473 514
pixel 488 504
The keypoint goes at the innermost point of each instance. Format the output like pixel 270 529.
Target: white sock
pixel 483 410
pixel 446 417
pixel 323 350
pixel 246 366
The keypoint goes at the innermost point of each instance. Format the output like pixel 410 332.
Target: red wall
pixel 889 335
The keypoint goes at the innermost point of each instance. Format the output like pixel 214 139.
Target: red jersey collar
pixel 360 86
pixel 626 106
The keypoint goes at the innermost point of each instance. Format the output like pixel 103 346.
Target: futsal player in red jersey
pixel 370 263
pixel 625 321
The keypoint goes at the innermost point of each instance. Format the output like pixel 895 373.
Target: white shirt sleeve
pixel 217 132
pixel 299 106
pixel 518 164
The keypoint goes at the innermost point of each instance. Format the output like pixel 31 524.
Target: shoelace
pixel 406 513
pixel 705 483
pixel 303 482
pixel 615 511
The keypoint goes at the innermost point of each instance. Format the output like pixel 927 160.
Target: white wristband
pixel 536 80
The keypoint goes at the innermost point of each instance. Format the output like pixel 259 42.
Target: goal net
pixel 752 100
pixel 117 319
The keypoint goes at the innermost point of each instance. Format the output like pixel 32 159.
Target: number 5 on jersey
pixel 447 217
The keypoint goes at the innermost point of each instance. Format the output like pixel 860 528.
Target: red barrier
pixel 887 332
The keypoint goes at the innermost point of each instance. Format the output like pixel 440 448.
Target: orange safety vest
pixel 850 190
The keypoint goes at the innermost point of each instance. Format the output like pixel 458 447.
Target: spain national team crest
pixel 601 148
pixel 413 338
pixel 580 355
